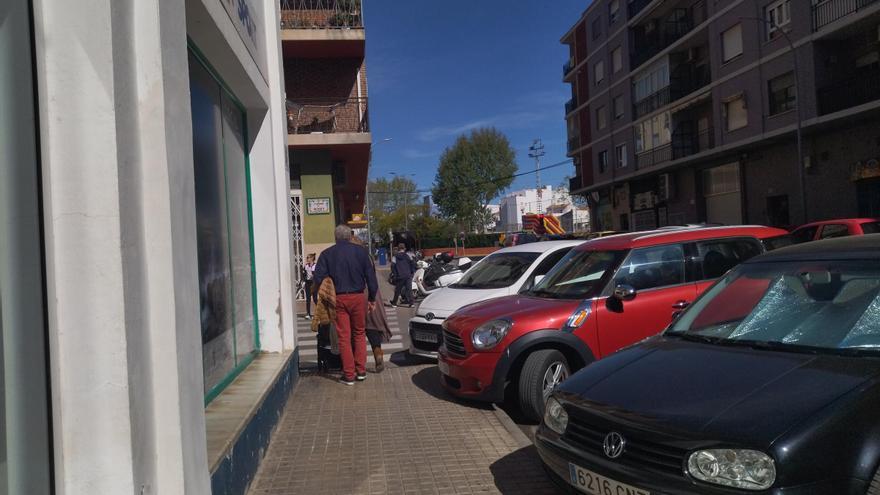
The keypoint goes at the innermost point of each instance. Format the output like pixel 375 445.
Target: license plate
pixel 595 484
pixel 426 337
pixel 444 367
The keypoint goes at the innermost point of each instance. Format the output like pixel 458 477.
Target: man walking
pixel 404 269
pixel 349 266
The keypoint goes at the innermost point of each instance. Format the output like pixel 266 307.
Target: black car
pixel 769 383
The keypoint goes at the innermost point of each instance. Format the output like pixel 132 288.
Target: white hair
pixel 343 233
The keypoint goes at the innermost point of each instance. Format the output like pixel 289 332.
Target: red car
pixel 827 229
pixel 605 294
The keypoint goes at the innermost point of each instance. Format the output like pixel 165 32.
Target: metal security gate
pixel 298 248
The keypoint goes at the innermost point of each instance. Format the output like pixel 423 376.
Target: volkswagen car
pixel 768 383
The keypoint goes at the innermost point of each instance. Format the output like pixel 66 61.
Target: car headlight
pixel 555 416
pixel 488 335
pixel 747 469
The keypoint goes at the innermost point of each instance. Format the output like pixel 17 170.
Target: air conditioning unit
pixel 665 187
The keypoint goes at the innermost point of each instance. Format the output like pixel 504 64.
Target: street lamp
pixel 797 99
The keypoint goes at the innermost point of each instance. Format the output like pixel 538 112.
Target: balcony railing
pixel 654 157
pixel 653 102
pixel 689 80
pixel 679 23
pixel 321 14
pixel 828 11
pixel 690 143
pixel 327 115
pixel 575 183
pixel 567 67
pixel 574 143
pixel 849 93
pixel 570 105
pixel 636 6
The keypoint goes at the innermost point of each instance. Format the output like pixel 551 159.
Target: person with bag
pixel 403 270
pixel 324 325
pixel 377 327
pixel 351 270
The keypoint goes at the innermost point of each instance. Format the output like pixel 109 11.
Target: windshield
pixel 831 306
pixel 497 271
pixel 581 274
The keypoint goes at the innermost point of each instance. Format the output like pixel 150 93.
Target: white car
pixel 502 273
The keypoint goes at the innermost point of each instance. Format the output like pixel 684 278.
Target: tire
pixel 538 378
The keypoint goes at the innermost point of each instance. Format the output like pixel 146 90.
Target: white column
pixel 121 249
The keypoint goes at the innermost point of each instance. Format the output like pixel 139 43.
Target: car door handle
pixel 681 305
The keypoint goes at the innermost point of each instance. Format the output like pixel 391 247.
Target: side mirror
pixel 624 292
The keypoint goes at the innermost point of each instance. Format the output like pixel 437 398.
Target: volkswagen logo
pixel 429 316
pixel 613 445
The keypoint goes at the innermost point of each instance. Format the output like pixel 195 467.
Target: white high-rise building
pixel 518 203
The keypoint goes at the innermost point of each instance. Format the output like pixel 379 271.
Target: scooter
pixel 441 272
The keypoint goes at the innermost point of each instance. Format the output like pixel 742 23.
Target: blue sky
pixel 438 69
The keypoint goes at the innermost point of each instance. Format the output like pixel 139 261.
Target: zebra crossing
pixel 308 342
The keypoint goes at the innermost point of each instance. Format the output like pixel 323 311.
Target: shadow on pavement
pixel 404 359
pixel 521 472
pixel 428 380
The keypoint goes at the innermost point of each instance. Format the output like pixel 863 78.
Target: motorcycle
pixel 440 272
pixel 421 265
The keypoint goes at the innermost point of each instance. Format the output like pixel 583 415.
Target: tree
pixel 471 173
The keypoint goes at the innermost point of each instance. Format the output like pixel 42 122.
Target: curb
pixel 518 436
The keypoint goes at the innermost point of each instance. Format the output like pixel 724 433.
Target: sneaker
pixel 346 381
pixel 392 305
pixel 361 378
pixel 308 317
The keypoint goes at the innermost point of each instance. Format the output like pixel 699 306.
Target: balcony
pixel 568 67
pixel 849 93
pixel 685 143
pixel 686 80
pixel 636 6
pixel 827 11
pixel 654 157
pixel 570 105
pixel 655 35
pixel 326 121
pixel 653 102
pixel 321 14
pixel 574 143
pixel 575 183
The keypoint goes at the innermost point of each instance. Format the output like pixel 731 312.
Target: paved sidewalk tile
pixel 396 433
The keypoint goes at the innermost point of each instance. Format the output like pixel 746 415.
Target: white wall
pixel 119 207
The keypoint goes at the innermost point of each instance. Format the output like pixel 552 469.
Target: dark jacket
pixel 404 266
pixel 350 268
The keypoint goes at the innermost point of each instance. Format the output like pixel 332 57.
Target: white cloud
pixel 513 120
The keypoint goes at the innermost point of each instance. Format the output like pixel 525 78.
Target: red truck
pixel 605 294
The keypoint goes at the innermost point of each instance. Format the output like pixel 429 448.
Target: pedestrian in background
pixel 377 327
pixel 309 278
pixel 351 270
pixel 404 268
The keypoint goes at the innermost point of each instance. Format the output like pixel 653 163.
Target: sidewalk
pixel 396 433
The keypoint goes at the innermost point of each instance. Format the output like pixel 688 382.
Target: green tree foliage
pixel 475 170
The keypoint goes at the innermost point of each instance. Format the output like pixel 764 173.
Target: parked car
pixel 528 343
pixel 504 272
pixel 769 382
pixel 827 229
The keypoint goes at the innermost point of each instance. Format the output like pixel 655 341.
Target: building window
pixel 603 161
pixel 618 107
pixel 736 113
pixel 721 180
pixel 613 11
pixel 597 28
pixel 616 60
pixel 223 229
pixel 650 81
pixel 732 43
pixel 778 16
pixel 782 95
pixel 620 151
pixel 599 72
pixel 653 133
pixel 601 118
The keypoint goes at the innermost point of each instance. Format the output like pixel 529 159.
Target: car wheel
pixel 542 372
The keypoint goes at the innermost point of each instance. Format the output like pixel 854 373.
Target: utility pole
pixel 536 151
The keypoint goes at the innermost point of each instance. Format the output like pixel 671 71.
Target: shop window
pixel 782 93
pixel 223 223
pixel 732 43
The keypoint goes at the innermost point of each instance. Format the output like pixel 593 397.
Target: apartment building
pixel 688 110
pixel 516 204
pixel 323 44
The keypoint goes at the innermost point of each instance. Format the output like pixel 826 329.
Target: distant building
pixel 686 111
pixel 516 204
pixel 495 219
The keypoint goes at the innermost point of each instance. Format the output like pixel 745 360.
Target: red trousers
pixel 351 317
